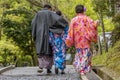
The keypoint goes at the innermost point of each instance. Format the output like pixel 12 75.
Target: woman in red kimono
pixel 82 31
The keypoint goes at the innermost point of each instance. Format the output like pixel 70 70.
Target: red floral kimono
pixel 81 33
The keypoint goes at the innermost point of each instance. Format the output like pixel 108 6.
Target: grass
pixel 111 59
pixel 99 59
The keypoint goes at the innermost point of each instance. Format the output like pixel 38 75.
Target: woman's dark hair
pixel 79 8
pixel 47 6
pixel 59 13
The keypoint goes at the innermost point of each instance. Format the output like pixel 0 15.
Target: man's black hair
pixel 47 6
pixel 79 8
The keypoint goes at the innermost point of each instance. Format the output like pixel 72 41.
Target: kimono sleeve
pixel 92 32
pixel 70 37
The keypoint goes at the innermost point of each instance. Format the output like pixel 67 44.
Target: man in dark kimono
pixel 43 22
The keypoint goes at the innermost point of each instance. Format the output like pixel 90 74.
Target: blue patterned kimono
pixel 59 48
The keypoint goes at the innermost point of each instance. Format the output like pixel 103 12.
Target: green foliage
pixel 102 9
pixel 113 57
pixel 110 59
pixel 116 18
pixel 116 32
pixel 111 5
pixel 7 52
pixel 24 60
pixel 16 25
pixel 100 6
pixel 109 25
pixel 99 59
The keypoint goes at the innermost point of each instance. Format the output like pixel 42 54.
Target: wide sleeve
pixel 70 36
pixel 93 34
pixel 33 24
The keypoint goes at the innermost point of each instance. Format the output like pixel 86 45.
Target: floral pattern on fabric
pixel 82 61
pixel 59 48
pixel 81 33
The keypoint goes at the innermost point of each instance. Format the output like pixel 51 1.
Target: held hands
pixel 97 22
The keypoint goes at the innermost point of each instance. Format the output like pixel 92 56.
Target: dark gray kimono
pixel 43 22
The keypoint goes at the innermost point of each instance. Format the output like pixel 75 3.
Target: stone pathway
pixel 1 67
pixel 30 73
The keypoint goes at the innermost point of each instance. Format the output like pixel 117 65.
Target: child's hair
pixel 59 13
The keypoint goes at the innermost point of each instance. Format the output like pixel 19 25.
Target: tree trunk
pixel 99 46
pixel 33 55
pixel 0 32
pixel 34 59
pixel 103 29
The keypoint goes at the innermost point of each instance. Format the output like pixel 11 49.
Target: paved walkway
pixel 1 67
pixel 30 73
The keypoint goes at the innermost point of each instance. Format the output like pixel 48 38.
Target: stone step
pixel 3 69
pixel 30 73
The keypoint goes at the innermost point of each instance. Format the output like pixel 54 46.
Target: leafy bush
pixel 7 52
pixel 24 61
